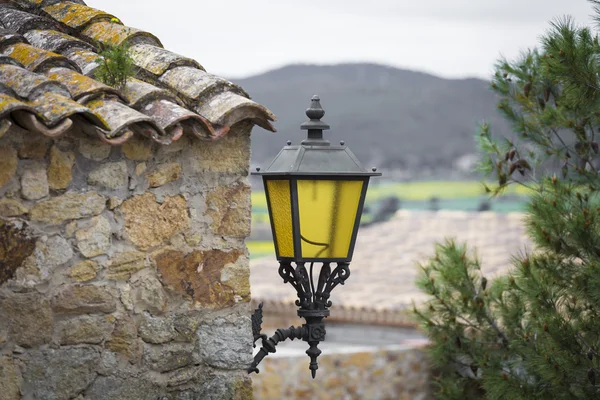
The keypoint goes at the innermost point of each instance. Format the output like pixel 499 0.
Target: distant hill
pixel 391 118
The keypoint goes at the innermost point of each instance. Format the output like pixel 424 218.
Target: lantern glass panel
pixel 327 214
pixel 280 205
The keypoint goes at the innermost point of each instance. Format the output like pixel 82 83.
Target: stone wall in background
pixel 123 270
pixel 400 373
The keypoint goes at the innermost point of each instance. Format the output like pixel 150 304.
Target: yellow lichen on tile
pixel 115 34
pixel 28 55
pixel 8 104
pixel 78 84
pixel 75 15
pixel 53 107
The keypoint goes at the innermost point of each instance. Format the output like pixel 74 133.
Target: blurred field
pixel 465 196
pixel 259 249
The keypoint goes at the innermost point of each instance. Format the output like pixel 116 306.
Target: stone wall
pixel 123 270
pixel 396 372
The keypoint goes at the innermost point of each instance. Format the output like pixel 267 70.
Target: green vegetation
pixel 534 333
pixel 115 66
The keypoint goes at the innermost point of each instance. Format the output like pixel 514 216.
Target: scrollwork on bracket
pixel 299 279
pixel 329 280
pixel 313 303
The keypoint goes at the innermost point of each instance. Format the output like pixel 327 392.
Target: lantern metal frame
pixel 314 159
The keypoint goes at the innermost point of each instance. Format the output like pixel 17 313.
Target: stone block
pixel 81 299
pixel 230 210
pixel 10 387
pixel 92 329
pixel 149 223
pixel 29 317
pixel 124 340
pixel 124 388
pixel 147 294
pixel 243 389
pixel 8 164
pixel 198 275
pixel 49 253
pixel 57 374
pixel 114 202
pixel 222 386
pixel 174 147
pixel 188 376
pixel 110 175
pixel 226 342
pixel 84 271
pixel 137 148
pixel 237 276
pixel 68 206
pixel 230 154
pixel 140 169
pixel 168 357
pixel 34 182
pixel 94 240
pixel 17 243
pixel 186 325
pixel 12 208
pixel 60 171
pixel 164 174
pixel 122 265
pixel 156 330
pixel 93 149
pixel 70 229
pixel 34 147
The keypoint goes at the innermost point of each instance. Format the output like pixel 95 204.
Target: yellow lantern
pixel 315 195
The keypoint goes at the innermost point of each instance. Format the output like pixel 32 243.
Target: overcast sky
pixel 449 38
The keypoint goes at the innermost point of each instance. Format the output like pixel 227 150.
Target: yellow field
pixel 259 249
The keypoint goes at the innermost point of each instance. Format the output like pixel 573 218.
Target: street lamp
pixel 315 194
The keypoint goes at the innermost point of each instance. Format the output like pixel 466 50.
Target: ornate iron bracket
pixel 313 303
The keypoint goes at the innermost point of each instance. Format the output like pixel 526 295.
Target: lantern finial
pixel 315 126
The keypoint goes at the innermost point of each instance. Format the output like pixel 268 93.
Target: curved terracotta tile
pixel 120 117
pixel 20 21
pixel 8 104
pixel 195 85
pixel 77 16
pixel 113 34
pixel 175 132
pixel 11 61
pixel 162 106
pixel 52 108
pixel 27 84
pixel 36 59
pixel 138 93
pixel 157 60
pixel 8 37
pixel 33 124
pixel 80 85
pixel 169 115
pixel 55 41
pixel 229 108
pixel 86 60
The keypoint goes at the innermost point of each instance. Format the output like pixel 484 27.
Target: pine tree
pixel 534 333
